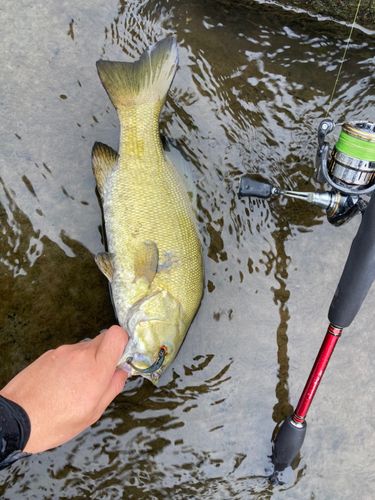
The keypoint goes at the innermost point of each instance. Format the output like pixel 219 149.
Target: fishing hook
pixel 155 366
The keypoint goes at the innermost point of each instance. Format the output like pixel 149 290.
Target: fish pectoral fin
pixel 104 160
pixel 104 262
pixel 146 261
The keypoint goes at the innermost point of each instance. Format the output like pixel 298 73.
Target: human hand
pixel 67 389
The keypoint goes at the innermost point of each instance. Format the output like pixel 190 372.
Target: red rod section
pixel 332 336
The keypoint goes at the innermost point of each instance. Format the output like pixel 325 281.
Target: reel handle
pixel 358 274
pixel 252 188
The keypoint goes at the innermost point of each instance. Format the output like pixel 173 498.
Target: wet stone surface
pixel 252 86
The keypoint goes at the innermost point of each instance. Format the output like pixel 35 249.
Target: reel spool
pixel 351 166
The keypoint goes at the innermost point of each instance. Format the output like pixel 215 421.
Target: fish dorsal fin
pixel 104 160
pixel 146 261
pixel 144 81
pixel 104 262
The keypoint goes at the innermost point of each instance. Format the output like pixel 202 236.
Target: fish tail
pixel 144 81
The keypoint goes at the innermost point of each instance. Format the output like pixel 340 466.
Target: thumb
pixel 115 386
pixel 111 346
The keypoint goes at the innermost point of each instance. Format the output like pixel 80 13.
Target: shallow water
pixel 252 86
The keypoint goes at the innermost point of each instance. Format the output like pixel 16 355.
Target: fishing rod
pixel 349 171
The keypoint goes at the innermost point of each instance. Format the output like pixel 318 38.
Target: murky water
pixel 252 85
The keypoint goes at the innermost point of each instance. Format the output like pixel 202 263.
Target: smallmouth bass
pixel 154 260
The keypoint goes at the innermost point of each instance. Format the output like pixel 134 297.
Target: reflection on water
pixel 252 85
pixel 46 297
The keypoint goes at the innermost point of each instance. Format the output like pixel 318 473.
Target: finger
pixel 111 347
pixel 115 386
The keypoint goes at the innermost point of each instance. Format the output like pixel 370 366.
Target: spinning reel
pixel 349 170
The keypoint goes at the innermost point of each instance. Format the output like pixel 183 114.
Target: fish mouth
pixel 154 366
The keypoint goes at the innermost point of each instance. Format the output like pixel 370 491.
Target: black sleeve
pixel 14 431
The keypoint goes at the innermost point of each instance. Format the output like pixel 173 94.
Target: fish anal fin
pixel 104 262
pixel 104 160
